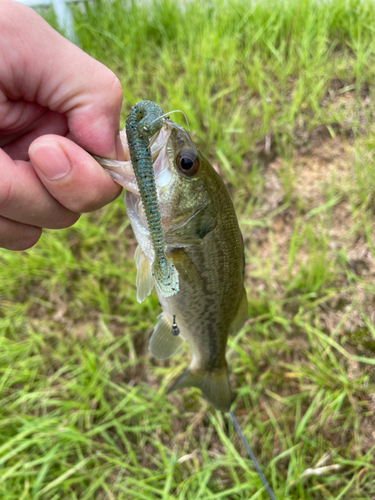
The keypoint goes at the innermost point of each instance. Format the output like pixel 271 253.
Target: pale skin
pixel 57 104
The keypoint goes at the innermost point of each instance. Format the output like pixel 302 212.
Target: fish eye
pixel 187 162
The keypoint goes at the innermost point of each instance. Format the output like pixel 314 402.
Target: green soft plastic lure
pixel 144 120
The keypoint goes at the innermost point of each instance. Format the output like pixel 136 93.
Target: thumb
pixel 71 175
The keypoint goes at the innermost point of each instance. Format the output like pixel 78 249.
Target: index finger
pixel 42 66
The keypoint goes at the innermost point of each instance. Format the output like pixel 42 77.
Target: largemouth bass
pixel 202 239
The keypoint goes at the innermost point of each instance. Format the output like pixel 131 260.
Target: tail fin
pixel 214 386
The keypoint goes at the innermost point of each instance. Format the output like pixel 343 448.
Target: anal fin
pixel 163 344
pixel 144 282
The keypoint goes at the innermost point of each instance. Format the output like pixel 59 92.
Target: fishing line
pixel 251 455
pixel 170 113
pixel 112 163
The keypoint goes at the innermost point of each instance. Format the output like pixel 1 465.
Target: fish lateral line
pixel 251 455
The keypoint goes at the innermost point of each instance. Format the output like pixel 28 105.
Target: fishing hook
pixel 166 115
pixel 175 329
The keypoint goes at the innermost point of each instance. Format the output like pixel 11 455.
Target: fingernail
pixel 49 159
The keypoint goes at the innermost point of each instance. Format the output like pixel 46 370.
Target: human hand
pixel 55 103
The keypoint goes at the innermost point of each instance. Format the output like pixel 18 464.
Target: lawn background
pixel 279 95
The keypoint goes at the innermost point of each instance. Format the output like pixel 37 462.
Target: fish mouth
pixel 122 171
pixel 160 157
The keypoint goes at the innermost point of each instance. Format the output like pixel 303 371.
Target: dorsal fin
pixel 241 315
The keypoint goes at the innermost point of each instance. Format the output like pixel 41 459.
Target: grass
pixel 279 96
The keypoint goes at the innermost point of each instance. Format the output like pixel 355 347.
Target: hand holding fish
pixel 49 86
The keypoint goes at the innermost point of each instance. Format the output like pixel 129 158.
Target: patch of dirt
pixel 325 172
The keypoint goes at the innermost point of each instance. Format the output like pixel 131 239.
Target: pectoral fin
pixel 163 344
pixel 241 315
pixel 185 267
pixel 214 386
pixel 144 281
